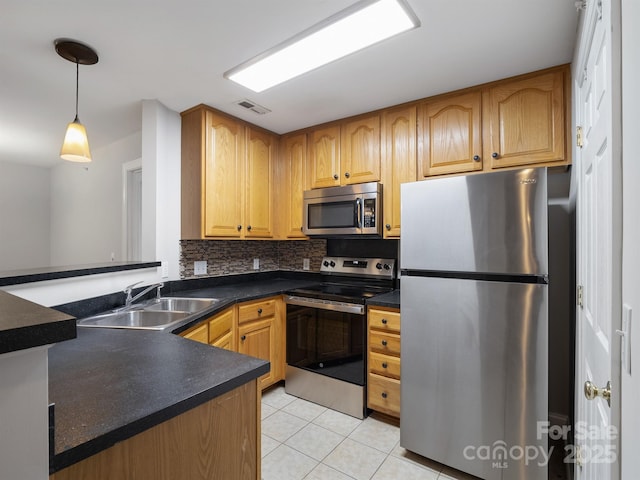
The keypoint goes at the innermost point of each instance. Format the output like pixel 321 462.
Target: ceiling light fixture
pixel 359 26
pixel 75 147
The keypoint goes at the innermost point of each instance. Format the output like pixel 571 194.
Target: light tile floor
pixel 302 440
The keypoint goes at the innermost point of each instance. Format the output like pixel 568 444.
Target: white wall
pixel 630 417
pixel 160 144
pixel 24 216
pixel 161 133
pixel 86 205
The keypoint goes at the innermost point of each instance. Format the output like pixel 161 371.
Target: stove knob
pixel 379 266
pixel 387 267
pixel 333 264
pixel 325 263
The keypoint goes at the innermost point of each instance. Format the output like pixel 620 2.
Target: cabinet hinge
pixel 579 141
pixel 580 296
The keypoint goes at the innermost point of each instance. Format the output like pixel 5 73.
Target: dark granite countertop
pixel 15 277
pixel 24 324
pixel 391 299
pixel 108 385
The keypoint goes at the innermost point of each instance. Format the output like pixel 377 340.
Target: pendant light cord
pixel 77 83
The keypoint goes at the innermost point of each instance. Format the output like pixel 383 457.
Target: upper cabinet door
pixel 261 151
pixel 360 151
pixel 294 158
pixel 324 157
pixel 224 158
pixel 525 121
pixel 451 140
pixel 398 162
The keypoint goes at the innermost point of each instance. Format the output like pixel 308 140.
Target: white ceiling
pixel 176 52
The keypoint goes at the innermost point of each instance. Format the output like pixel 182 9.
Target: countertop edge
pixel 17 277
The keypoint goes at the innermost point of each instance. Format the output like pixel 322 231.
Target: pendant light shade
pixel 75 147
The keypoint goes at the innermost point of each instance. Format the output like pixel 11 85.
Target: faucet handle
pixel 128 288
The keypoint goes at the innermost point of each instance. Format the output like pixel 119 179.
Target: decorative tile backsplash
pixel 232 257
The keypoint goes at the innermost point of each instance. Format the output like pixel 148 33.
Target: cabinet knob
pixel 243 338
pixel 384 365
pixel 384 343
pixel 387 226
pixel 384 394
pixel 347 174
pixel 335 176
pixel 495 155
pixel 239 227
pixel 476 158
pixel 384 321
pixel 249 227
pixel 259 311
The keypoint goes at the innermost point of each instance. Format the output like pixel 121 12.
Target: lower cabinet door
pixel 258 339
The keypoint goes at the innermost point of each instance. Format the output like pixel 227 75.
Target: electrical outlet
pixel 164 269
pixel 256 264
pixel 200 267
pixel 306 264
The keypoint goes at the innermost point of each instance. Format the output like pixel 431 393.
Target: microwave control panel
pixel 369 213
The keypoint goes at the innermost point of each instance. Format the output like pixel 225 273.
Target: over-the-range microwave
pixel 343 211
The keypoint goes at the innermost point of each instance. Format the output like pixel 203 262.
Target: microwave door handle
pixel 359 212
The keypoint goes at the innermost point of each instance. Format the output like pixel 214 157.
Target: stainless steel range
pixel 326 332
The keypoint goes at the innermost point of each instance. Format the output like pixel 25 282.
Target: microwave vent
pixel 253 106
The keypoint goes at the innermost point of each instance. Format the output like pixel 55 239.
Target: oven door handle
pixel 325 304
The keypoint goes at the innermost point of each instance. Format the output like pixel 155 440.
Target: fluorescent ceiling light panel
pixel 359 26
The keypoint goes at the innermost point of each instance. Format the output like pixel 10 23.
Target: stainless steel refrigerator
pixel 474 301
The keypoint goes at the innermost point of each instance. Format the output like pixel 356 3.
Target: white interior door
pixel 595 442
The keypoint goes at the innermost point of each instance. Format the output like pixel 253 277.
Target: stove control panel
pixel 361 267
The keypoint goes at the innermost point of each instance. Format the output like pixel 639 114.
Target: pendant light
pixel 75 147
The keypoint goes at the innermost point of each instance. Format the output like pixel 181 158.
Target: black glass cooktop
pixel 341 292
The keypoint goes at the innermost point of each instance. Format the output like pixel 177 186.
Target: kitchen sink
pixel 156 314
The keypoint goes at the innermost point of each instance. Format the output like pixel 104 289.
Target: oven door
pixel 328 342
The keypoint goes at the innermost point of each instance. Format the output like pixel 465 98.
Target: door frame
pixel 587 22
pixel 127 169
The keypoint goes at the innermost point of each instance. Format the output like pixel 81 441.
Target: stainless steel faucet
pixel 129 288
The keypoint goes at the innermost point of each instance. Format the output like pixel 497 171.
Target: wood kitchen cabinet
pixel 451 134
pixel 360 150
pixel 291 185
pixel 345 153
pixel 260 162
pixel 525 120
pixel 399 165
pixel 219 330
pixel 218 439
pixel 254 328
pixel 383 360
pixel 227 177
pixel 324 157
pixel 261 334
pixel 507 123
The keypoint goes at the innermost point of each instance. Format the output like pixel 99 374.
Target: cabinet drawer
pixel 384 394
pixel 384 365
pixel 387 343
pixel 220 325
pixel 256 310
pixel 384 320
pixel 199 333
